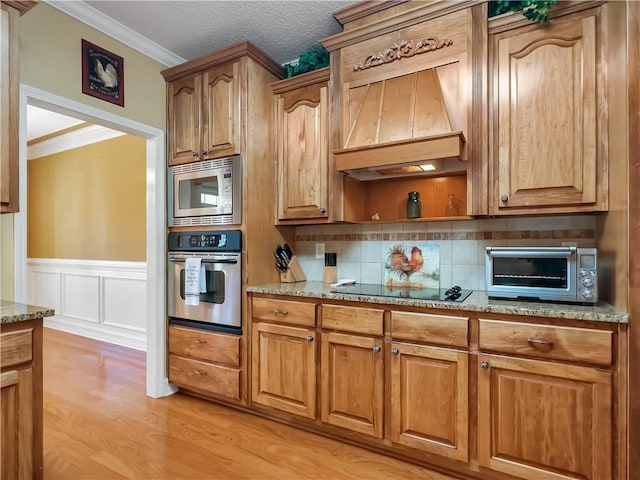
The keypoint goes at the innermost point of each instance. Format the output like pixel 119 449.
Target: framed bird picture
pixel 412 266
pixel 102 74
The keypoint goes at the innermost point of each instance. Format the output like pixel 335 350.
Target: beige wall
pixel 6 257
pixel 89 202
pixel 50 45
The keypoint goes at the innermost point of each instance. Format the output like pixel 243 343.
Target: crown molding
pixel 96 19
pixel 70 140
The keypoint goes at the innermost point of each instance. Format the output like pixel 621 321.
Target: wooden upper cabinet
pixel 549 129
pixel 544 420
pixel 302 140
pixel 204 114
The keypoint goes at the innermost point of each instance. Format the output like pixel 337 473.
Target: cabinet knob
pixel 377 348
pixel 323 211
pixel 395 352
pixel 504 198
pixel 195 154
pixel 310 338
pixel 205 153
pixel 200 372
pixel 198 340
pixel 484 365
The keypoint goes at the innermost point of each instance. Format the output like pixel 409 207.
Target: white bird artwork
pixel 108 76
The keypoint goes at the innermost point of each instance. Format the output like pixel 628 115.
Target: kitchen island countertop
pixel 11 312
pixel 476 302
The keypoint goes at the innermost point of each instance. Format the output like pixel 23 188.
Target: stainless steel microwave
pixel 562 274
pixel 206 193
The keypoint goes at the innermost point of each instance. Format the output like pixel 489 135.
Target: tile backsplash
pixel 362 249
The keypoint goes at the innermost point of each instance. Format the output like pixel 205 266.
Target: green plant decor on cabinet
pixel 537 10
pixel 316 58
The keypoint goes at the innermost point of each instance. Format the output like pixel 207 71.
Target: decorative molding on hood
pixel 403 49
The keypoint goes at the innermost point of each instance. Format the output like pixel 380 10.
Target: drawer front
pixel 15 347
pixel 284 311
pixel 205 345
pixel 353 319
pixel 546 341
pixel 429 328
pixel 204 376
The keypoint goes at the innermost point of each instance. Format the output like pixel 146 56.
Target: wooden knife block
pixel 294 272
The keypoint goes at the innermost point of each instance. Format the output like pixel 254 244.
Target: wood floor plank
pixel 99 424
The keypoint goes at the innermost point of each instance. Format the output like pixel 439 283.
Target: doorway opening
pixel 157 384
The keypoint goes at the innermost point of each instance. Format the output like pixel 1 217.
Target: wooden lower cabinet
pixel 284 368
pixel 429 399
pixel 204 361
pixel 352 382
pixel 544 420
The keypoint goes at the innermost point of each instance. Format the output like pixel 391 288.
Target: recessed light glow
pixel 428 167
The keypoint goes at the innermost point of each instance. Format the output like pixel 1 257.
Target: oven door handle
pixel 204 260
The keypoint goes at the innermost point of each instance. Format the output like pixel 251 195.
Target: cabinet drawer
pixel 15 347
pixel 353 319
pixel 285 311
pixel 425 327
pixel 546 341
pixel 205 345
pixel 205 376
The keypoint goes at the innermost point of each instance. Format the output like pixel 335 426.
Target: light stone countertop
pixel 11 312
pixel 476 302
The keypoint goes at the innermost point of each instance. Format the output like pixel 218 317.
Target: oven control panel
pixel 219 241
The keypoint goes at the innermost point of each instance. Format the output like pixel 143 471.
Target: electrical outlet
pixel 319 250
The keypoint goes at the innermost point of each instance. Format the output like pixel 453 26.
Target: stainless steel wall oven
pixel 217 303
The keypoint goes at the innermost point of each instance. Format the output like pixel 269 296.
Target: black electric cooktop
pixel 453 294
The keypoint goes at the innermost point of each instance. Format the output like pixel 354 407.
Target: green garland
pixel 316 58
pixel 537 10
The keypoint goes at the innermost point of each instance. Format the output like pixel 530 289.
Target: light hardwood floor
pixel 98 424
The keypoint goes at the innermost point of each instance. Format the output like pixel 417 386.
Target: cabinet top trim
pixel 21 5
pixel 299 81
pixel 424 12
pixel 231 53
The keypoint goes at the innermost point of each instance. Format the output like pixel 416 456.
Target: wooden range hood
pixel 404 122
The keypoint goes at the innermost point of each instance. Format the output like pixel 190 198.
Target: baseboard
pixel 130 339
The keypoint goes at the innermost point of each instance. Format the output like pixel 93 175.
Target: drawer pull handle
pixel 280 312
pixel 200 341
pixel 540 341
pixel 200 372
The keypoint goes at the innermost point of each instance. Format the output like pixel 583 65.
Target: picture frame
pixel 102 74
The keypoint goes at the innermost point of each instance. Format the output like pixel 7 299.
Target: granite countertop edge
pixel 476 302
pixel 12 312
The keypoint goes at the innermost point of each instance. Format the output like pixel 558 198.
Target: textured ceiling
pixel 283 29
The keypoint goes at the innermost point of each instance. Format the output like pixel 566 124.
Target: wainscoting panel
pixel 81 296
pixel 104 300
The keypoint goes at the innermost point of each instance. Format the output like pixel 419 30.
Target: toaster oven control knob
pixel 583 273
pixel 587 282
pixel 587 294
pixel 227 189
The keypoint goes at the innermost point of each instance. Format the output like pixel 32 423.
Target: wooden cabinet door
pixel 16 422
pixel 546 137
pixel 544 420
pixel 352 382
pixel 9 93
pixel 284 368
pixel 302 139
pixel 184 98
pixel 221 111
pixel 429 399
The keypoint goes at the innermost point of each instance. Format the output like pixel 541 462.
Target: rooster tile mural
pixel 412 266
